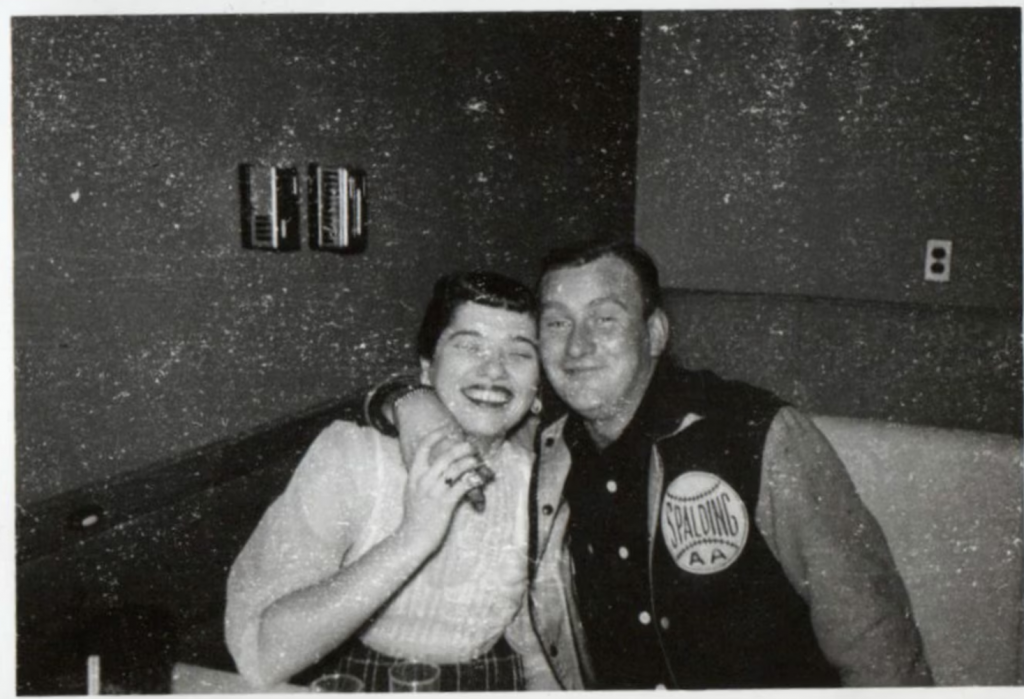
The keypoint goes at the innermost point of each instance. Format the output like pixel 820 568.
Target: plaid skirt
pixel 498 670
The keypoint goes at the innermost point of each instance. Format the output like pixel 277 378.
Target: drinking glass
pixel 339 682
pixel 414 677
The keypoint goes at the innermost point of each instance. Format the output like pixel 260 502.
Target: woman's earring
pixel 536 407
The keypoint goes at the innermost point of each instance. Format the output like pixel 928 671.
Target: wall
pixel 801 156
pixel 143 330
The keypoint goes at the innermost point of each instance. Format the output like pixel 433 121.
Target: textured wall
pixel 792 166
pixel 815 152
pixel 142 327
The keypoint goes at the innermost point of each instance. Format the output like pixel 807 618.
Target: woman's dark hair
pixel 633 255
pixel 453 290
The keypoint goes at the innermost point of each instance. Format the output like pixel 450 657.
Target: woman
pixel 362 547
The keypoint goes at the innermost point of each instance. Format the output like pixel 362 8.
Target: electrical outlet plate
pixel 938 260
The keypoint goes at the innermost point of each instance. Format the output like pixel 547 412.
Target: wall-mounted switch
pixel 270 207
pixel 337 208
pixel 938 259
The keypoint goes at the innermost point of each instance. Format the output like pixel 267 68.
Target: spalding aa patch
pixel 704 523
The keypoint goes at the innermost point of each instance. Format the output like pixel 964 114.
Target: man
pixel 714 538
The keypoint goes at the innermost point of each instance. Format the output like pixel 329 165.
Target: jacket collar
pixel 674 398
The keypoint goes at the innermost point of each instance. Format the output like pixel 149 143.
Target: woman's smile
pixel 488 396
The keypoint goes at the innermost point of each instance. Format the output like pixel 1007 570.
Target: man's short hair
pixel 453 290
pixel 630 253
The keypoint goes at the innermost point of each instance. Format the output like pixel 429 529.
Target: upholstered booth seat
pixel 949 502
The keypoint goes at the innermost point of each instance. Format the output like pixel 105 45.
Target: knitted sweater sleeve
pixel 835 554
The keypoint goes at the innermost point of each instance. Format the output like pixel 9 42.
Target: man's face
pixel 597 349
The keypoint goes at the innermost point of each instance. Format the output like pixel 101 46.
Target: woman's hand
pixel 440 475
pixel 302 626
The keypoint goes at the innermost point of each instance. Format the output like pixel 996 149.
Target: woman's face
pixel 485 368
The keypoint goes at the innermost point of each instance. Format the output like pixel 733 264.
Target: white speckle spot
pixel 75 196
pixel 726 198
pixel 478 106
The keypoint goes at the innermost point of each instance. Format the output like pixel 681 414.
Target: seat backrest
pixel 949 502
pixel 962 368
